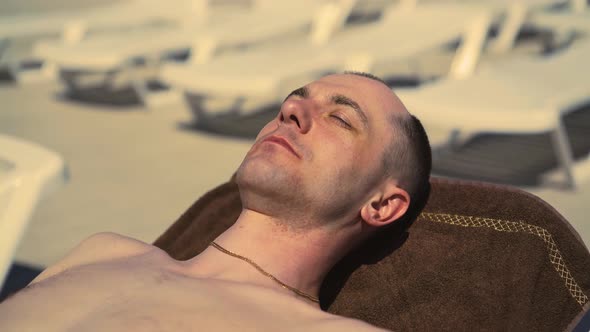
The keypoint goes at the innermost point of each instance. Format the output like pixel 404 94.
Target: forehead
pixel 375 98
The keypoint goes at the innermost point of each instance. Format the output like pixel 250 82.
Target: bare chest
pixel 143 295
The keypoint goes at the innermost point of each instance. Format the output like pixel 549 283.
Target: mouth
pixel 282 142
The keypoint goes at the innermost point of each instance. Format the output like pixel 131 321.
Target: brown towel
pixel 479 257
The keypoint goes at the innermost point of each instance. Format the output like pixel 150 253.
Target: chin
pixel 262 180
pixel 263 184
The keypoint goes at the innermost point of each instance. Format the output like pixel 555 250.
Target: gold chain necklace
pixel 257 267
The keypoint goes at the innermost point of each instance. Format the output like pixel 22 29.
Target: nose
pixel 296 113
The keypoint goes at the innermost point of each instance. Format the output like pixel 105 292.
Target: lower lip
pixel 280 144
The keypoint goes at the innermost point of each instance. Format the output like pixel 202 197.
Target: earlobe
pixel 382 210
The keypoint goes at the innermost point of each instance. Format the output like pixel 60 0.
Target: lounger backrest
pixel 403 32
pixel 436 24
pixel 472 43
pixel 328 19
pixel 28 172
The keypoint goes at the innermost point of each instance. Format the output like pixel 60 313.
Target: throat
pixel 299 260
pixel 296 291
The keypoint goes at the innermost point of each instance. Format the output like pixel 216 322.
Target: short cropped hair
pixel 367 75
pixel 408 158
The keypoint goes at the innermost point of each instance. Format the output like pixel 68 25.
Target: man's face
pixel 320 158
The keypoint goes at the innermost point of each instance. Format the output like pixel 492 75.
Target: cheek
pixel 349 160
pixel 340 157
pixel 344 148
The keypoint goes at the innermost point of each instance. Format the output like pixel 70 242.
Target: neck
pixel 298 258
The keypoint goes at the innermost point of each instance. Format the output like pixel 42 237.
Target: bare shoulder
pixel 96 248
pixel 108 245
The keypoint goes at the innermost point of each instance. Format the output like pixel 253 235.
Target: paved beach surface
pixel 132 170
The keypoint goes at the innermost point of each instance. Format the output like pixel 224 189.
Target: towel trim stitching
pixel 555 256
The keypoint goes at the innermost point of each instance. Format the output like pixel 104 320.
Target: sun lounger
pixel 72 26
pixel 563 21
pixel 131 60
pixel 518 14
pixel 521 95
pixel 265 75
pixel 28 172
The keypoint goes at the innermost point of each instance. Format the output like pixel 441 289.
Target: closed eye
pixel 341 122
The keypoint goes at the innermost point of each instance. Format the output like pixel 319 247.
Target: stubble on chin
pixel 261 181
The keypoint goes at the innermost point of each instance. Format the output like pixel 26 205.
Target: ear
pixel 386 206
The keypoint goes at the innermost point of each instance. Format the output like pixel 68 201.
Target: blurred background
pixel 124 112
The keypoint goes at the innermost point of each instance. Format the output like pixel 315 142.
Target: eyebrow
pixel 303 92
pixel 343 100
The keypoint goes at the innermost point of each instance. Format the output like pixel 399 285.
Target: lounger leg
pixel 4 43
pixel 564 153
pixel 142 92
pixel 140 77
pixel 13 70
pixel 578 6
pixel 454 139
pixel 468 54
pixel 510 27
pixel 458 138
pixel 74 31
pixel 49 70
pixel 202 50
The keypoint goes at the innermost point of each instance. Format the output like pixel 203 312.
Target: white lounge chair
pixel 508 24
pixel 72 26
pixel 28 172
pixel 264 76
pixel 518 14
pixel 562 21
pixel 520 95
pixel 132 59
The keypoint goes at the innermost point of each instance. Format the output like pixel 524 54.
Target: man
pixel 342 160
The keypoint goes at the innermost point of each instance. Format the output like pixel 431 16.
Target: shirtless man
pixel 342 159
